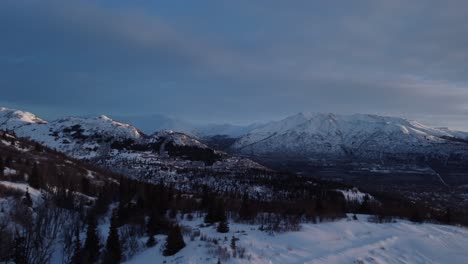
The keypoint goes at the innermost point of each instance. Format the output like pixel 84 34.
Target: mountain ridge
pixel 314 134
pixel 123 148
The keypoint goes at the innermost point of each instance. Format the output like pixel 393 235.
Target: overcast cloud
pixel 237 61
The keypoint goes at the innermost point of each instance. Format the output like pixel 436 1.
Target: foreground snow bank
pixel 336 242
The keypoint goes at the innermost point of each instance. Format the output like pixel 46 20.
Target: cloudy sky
pixel 236 61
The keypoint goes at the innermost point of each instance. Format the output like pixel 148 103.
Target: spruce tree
pixel 223 227
pixel 113 253
pixel 210 217
pixel 246 211
pixel 448 216
pixel 220 212
pixel 27 199
pixel 38 147
pixel 151 242
pixel 92 246
pixel 365 205
pixel 155 224
pixel 233 243
pixel 174 241
pixel 77 252
pixel 2 166
pixel 34 179
pixel 19 250
pixel 8 161
pixel 216 212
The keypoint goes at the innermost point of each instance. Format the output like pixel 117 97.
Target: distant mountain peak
pixel 355 136
pixel 11 118
pixel 104 117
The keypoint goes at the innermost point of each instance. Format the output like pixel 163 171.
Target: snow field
pixel 344 241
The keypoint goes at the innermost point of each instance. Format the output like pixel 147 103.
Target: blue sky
pixel 236 61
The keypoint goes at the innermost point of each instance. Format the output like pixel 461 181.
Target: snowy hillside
pixel 121 147
pixel 177 138
pixel 84 137
pixel 13 119
pixel 345 241
pixel 356 136
pixel 77 136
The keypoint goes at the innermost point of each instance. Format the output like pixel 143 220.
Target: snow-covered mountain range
pixel 315 138
pixel 352 137
pixel 122 147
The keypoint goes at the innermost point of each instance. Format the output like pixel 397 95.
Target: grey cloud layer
pixel 271 57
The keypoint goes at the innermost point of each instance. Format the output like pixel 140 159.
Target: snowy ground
pixel 344 241
pixel 23 187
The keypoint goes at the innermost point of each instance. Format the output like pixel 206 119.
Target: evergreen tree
pixel 151 242
pixel 246 211
pixel 216 213
pixel 85 185
pixel 2 166
pixel 38 147
pixel 210 217
pixel 27 199
pixel 223 227
pixel 19 250
pixel 92 246
pixel 174 241
pixel 8 161
pixel 365 205
pixel 233 243
pixel 77 252
pixel 220 212
pixel 34 179
pixel 448 216
pixel 155 224
pixel 113 253
pixel 207 199
pixel 172 214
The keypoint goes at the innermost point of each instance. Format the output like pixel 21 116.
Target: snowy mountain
pixel 13 119
pixel 121 147
pixel 77 136
pixel 352 137
pixel 382 144
pixel 51 169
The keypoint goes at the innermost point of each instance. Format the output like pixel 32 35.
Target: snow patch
pixel 8 171
pixel 23 187
pixel 354 195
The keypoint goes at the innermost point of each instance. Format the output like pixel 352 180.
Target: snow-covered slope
pixel 177 138
pixel 77 136
pixel 121 147
pixel 319 136
pixel 12 119
pixel 345 241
